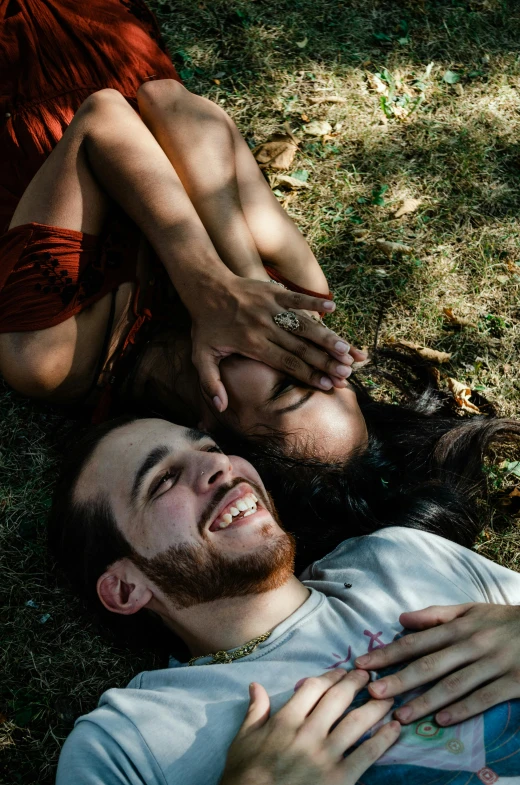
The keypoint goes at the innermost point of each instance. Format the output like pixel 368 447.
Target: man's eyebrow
pixel 296 405
pixel 194 435
pixel 154 457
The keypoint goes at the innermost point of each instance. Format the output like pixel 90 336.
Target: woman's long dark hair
pixel 423 468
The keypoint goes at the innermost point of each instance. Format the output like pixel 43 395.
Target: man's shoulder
pixel 382 546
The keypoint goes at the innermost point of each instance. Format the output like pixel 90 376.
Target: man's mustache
pixel 220 494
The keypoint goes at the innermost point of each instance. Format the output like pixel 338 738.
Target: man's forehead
pixel 122 450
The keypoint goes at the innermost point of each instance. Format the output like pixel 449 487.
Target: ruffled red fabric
pixel 53 55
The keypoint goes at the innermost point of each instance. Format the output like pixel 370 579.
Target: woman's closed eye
pixel 284 385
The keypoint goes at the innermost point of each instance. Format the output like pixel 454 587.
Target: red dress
pixel 53 55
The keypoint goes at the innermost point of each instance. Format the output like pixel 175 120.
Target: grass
pixel 456 147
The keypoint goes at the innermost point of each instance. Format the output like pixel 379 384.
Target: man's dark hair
pixel 84 539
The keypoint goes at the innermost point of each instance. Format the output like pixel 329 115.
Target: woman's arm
pixel 107 143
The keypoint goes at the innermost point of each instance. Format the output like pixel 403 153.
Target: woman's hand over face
pixel 475 647
pixel 299 745
pixel 237 318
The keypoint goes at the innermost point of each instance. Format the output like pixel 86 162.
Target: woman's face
pixel 329 424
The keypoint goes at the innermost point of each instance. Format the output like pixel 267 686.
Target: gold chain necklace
pixel 222 657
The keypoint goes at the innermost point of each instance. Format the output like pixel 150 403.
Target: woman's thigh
pixel 54 362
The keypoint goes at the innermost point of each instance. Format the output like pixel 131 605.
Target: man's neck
pixel 226 624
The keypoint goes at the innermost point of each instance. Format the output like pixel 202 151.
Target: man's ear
pixel 122 588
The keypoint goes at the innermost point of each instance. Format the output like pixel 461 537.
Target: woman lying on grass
pixel 88 317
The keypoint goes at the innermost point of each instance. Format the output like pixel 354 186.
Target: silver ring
pixel 287 320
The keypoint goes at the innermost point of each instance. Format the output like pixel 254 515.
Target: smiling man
pixel 150 517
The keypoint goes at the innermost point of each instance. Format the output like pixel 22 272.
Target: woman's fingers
pixel 424 670
pixel 498 691
pixel 297 301
pixel 453 687
pixel 320 335
pixel 335 702
pixel 357 723
pixel 434 615
pixel 315 357
pixel 258 710
pixel 369 752
pixel 307 696
pixel 409 647
pixel 207 366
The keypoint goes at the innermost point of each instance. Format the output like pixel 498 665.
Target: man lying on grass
pixel 153 518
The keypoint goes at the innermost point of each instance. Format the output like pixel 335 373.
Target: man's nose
pixel 211 470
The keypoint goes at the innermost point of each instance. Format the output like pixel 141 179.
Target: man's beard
pixel 194 574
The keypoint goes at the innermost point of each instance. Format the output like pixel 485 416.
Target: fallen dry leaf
pixel 328 99
pixel 389 248
pixel 425 352
pixel 304 118
pixel 458 320
pixel 514 492
pixel 377 84
pixel 507 369
pixel 360 234
pixel 458 89
pixel 287 181
pixel 278 153
pixel 408 206
pixel 302 44
pixel 318 128
pixel 216 81
pixel 462 393
pixel 503 278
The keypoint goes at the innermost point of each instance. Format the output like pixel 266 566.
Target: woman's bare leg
pixel 241 214
pixel 105 143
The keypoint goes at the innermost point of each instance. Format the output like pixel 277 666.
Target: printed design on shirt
pixel 483 749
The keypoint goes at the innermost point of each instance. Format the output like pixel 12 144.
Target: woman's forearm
pixel 136 173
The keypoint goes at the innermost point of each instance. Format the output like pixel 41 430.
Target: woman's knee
pixel 160 92
pixel 101 102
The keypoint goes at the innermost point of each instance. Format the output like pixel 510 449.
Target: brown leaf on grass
pixel 360 235
pixel 278 153
pixel 389 248
pixel 318 128
pixel 349 267
pixel 461 394
pixel 408 206
pixel 459 89
pixel 304 118
pixel 377 84
pixel 458 320
pixel 425 352
pixel 286 181
pixel 514 492
pixel 328 99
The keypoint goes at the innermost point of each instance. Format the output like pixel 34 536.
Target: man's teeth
pixel 246 505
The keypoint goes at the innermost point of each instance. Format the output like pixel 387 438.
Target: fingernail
pixel 404 714
pixel 343 370
pixel 329 305
pixel 443 718
pixel 217 403
pixel 325 382
pixel 379 688
pixel 341 347
pixel 364 660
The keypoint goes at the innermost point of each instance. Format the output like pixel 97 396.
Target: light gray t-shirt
pixel 174 726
